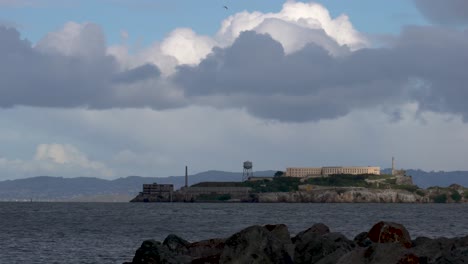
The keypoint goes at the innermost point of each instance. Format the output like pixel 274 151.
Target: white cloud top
pixel 82 40
pixel 56 160
pixel 295 26
pixel 295 14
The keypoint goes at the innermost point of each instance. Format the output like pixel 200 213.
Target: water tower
pixel 247 170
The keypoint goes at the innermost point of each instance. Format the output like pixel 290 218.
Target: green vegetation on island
pixel 277 184
pixel 291 184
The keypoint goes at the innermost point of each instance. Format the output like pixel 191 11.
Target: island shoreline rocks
pixel 385 243
pixel 344 195
pixel 321 195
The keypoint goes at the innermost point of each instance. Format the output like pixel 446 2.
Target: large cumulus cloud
pixel 296 65
pixel 30 77
pixel 72 69
pixel 294 26
pixel 425 65
pixel 295 15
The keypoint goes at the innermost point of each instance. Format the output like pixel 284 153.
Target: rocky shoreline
pixel 344 195
pixel 332 195
pixel 385 242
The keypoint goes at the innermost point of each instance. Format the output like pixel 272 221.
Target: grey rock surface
pixel 384 243
pixel 343 195
pixel 256 244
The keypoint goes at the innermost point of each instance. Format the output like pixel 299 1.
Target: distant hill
pixel 436 178
pixel 45 188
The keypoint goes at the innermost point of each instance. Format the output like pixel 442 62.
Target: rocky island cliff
pixel 331 189
pixel 343 195
pixel 385 243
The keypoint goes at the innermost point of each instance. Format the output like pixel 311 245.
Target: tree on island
pixel 279 173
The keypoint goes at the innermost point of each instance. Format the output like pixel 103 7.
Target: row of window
pixel 315 171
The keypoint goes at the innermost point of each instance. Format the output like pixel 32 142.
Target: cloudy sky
pixel 113 88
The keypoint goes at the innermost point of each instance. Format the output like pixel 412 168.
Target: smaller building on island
pixel 155 193
pixel 204 191
pixel 155 188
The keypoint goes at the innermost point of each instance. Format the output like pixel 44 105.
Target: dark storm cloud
pixel 35 78
pixel 8 24
pixel 140 73
pixel 444 11
pixel 426 65
pixel 32 78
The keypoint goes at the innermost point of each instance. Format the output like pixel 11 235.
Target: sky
pixel 114 88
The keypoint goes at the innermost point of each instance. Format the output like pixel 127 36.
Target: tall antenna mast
pixel 186 176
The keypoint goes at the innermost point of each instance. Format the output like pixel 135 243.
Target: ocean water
pixel 111 232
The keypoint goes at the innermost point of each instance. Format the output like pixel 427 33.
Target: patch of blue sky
pixel 147 21
pixel 376 16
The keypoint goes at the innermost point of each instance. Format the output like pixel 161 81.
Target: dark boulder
pixel 149 252
pixel 385 243
pixel 362 240
pixel 206 251
pixel 317 245
pixel 382 253
pixel 256 244
pixel 316 229
pixel 176 244
pixel 206 260
pixel 442 250
pixel 153 252
pixel 280 231
pixel 389 232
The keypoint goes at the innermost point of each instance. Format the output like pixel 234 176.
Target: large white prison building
pixel 325 171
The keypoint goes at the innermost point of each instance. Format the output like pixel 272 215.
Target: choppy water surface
pixel 111 232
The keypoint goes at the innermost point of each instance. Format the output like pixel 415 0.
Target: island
pixel 333 188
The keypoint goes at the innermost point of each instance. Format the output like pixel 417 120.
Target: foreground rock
pixel 385 242
pixel 257 244
pixel 318 245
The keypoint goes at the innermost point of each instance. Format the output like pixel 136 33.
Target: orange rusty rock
pixel 409 259
pixel 389 232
